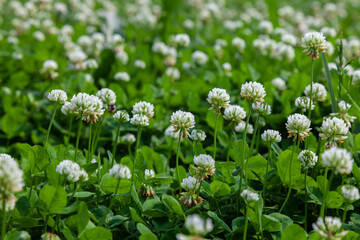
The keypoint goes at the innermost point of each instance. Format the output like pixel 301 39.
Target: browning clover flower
pixel 146 189
pixel 218 98
pixel 253 91
pixel 205 166
pixel 182 121
pixel 87 107
pixel 343 113
pixel 190 198
pixel 333 130
pixel 314 43
pixel 298 126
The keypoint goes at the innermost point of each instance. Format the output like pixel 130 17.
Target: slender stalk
pixel 267 171
pixel 129 150
pixel 111 203
pixel 69 132
pixel 215 134
pixel 115 144
pixel 97 134
pixel 344 217
pixel 177 160
pixel 329 82
pixel 194 148
pixel 136 152
pixel 50 125
pixel 75 188
pixel 31 185
pixel 322 210
pixel 251 147
pixel 46 222
pixel 311 87
pixel 243 149
pixel 246 222
pixel 3 228
pixel 306 203
pixel 289 192
pixel 77 139
pixel 89 146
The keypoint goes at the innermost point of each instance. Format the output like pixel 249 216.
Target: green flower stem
pixel 243 149
pixel 267 171
pixel 31 185
pixel 115 143
pixel 311 87
pixel 89 146
pixel 136 152
pixel 177 160
pixel 3 228
pixel 289 192
pixel 344 216
pixel 306 203
pixel 77 139
pixel 329 82
pixel 46 222
pixel 251 147
pixel 215 135
pixel 50 125
pixel 69 132
pixel 246 222
pixel 75 188
pixel 129 150
pixel 322 210
pixel 97 134
pixel 194 148
pixel 111 203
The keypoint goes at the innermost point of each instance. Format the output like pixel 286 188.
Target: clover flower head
pixel 123 76
pixel 128 138
pixel 198 226
pixel 350 193
pixel 356 78
pixel 149 174
pixel 197 135
pixel 58 96
pixel 249 196
pixel 182 121
pixel 261 108
pixel 199 58
pixel 240 128
pixel 279 84
pixel 333 130
pixel 270 136
pixel 72 171
pixel 298 126
pixel 343 113
pixel 239 44
pixel 190 184
pixel 253 91
pixel 304 103
pixel 319 92
pixel 218 98
pixel 66 108
pixel 190 198
pixel 205 166
pixel 121 116
pixel 119 171
pixel 329 228
pixel 50 236
pixel 87 107
pixel 182 39
pixel 171 133
pixel 337 159
pixel 139 120
pixel 107 96
pixel 235 114
pixel 143 108
pixel 308 159
pixel 314 43
pixel 11 177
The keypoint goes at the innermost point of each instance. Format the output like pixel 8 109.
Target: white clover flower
pixel 356 78
pixel 350 193
pixel 182 39
pixel 123 76
pixel 333 130
pixel 205 166
pixel 266 26
pixel 330 228
pixel 289 39
pixel 197 135
pixel 119 171
pixel 188 24
pixel 66 109
pixel 10 202
pixel 190 184
pixel 235 114
pixel 77 56
pixel 149 174
pixel 143 108
pixel 128 138
pixel 58 96
pixel 121 116
pixel 298 126
pixel 240 128
pixel 279 84
pixel 343 109
pixel 139 120
pixel 338 159
pixel 218 98
pixel 11 177
pixel 270 136
pixel 39 36
pixel 227 67
pixel 314 43
pixel 308 159
pixel 122 57
pixel 304 103
pixel 87 107
pixel 330 49
pixel 253 91
pixel 199 58
pixel 182 121
pixel 171 133
pixel 72 171
pixel 159 47
pixel 140 64
pixel 49 65
pixel 91 64
pixel 261 108
pixel 198 226
pixel 249 196
pixel 107 96
pixel 319 92
pixel 173 73
pixel 239 44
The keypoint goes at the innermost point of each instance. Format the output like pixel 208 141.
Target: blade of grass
pixel 329 82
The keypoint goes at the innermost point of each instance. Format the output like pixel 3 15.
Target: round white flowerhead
pixel 173 73
pixel 270 136
pixel 249 196
pixel 107 96
pixel 314 43
pixel 139 120
pixel 123 76
pixel 350 193
pixel 171 132
pixel 343 113
pixel 239 44
pixel 356 78
pixel 119 171
pixel 11 176
pixel 143 108
pixel 128 138
pixel 182 39
pixel 58 96
pixel 253 91
pixel 50 65
pixel 333 130
pixel 337 159
pixel 87 107
pixel 279 84
pixel 308 159
pixel 235 114
pixel 330 228
pixel 197 135
pixel 199 58
pixel 121 116
pixel 72 171
pixel 198 226
pixel 261 108
pixel 298 126
pixel 319 92
pixel 205 166
pixel 218 98
pixel 149 174
pixel 240 128
pixel 66 109
pixel 182 121
pixel 190 184
pixel 304 103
